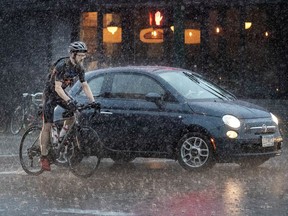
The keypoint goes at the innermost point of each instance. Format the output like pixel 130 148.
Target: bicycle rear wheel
pixel 4 121
pixel 85 158
pixel 17 120
pixel 29 151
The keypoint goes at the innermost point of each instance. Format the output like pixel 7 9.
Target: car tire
pixel 252 163
pixel 122 158
pixel 195 152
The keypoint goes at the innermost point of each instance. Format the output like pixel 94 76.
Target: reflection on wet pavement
pixel 145 187
pixel 150 187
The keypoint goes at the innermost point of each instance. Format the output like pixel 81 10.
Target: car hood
pixel 237 108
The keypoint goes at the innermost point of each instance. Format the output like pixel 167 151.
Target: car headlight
pixel 274 119
pixel 231 121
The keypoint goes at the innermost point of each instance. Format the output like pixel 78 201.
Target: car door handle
pixel 106 112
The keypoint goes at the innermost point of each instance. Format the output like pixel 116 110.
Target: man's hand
pixel 72 105
pixel 95 105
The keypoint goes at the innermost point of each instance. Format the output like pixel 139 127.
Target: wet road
pixel 145 187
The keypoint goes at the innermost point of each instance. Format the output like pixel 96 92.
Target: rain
pixel 240 46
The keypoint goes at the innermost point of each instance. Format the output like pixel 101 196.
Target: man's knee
pixel 46 127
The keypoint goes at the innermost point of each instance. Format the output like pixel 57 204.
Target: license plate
pixel 267 141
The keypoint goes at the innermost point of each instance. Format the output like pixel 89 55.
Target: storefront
pixel 237 45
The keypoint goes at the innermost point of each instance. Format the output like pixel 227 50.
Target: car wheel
pixel 195 152
pixel 122 158
pixel 252 163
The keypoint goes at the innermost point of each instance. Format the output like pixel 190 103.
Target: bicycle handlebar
pixel 36 98
pixel 32 95
pixel 80 107
pixel 96 106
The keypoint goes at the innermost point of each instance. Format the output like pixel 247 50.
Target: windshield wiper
pixel 191 77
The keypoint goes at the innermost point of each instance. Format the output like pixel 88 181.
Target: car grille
pixel 260 127
pixel 264 129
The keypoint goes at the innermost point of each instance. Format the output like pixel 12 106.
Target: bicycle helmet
pixel 77 46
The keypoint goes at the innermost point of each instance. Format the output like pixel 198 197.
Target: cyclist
pixel 63 75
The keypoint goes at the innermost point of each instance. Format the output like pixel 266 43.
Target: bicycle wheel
pixel 3 125
pixel 30 152
pixel 85 157
pixel 17 120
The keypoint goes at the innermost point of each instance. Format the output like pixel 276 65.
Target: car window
pixel 95 85
pixel 134 86
pixel 193 87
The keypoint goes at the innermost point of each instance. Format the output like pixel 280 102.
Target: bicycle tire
pixel 3 126
pixel 17 120
pixel 85 158
pixel 30 152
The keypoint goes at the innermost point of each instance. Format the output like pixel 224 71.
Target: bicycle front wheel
pixel 17 120
pixel 85 158
pixel 29 151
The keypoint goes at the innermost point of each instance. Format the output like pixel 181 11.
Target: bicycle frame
pixel 31 107
pixel 72 128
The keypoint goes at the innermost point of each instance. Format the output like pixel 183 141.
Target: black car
pixel 164 112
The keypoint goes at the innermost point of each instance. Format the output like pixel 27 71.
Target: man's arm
pixel 60 91
pixel 87 91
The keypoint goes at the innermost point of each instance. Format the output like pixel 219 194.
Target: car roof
pixel 145 69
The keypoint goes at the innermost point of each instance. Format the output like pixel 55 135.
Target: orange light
pixel 112 29
pixel 150 35
pixel 154 33
pixel 109 37
pixel 213 143
pixel 150 19
pixel 192 36
pixel 248 25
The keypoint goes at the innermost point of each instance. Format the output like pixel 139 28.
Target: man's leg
pixel 63 154
pixel 44 142
pixel 45 138
pixel 48 112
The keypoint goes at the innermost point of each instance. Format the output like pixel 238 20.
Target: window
pixel 134 86
pixel 88 32
pixel 95 85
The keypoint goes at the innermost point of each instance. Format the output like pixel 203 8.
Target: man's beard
pixel 81 62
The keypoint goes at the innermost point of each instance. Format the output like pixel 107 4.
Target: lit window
pixel 112 31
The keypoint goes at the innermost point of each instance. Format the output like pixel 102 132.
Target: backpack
pixel 52 67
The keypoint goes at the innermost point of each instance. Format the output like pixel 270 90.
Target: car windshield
pixel 191 86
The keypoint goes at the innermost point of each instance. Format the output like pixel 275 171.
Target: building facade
pixel 241 45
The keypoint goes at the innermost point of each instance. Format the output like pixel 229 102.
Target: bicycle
pixel 81 146
pixel 26 114
pixel 4 118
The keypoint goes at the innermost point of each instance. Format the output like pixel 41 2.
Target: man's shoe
pixel 45 164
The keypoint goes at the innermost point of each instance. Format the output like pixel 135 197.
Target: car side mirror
pixel 155 98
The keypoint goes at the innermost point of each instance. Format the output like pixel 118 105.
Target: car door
pixel 133 123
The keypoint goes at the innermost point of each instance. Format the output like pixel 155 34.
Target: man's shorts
pixel 49 106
